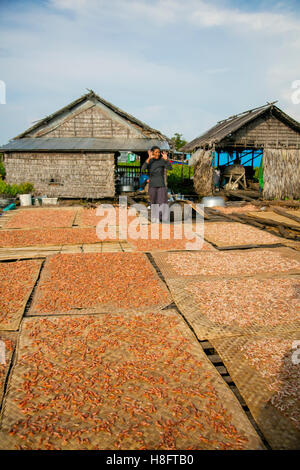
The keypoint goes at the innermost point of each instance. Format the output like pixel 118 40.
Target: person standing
pixel 156 163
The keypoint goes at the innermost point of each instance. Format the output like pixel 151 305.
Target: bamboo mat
pixel 88 218
pixel 227 234
pixel 200 265
pixel 153 248
pixel 53 280
pixel 5 217
pixel 105 247
pixel 169 237
pixel 37 218
pixel 293 212
pixel 7 346
pixel 18 280
pixel 276 217
pixel 292 244
pixel 262 369
pixel 42 238
pixel 232 307
pixel 118 382
pixel 30 252
pixel 27 253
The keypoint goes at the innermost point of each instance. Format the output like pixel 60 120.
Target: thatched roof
pixel 232 124
pixel 92 96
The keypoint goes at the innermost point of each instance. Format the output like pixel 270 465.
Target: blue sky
pixel 180 66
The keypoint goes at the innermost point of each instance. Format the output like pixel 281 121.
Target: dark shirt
pixel 156 171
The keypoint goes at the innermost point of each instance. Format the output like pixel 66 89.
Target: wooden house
pixel 267 129
pixel 73 152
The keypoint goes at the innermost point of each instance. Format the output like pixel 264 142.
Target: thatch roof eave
pixel 216 134
pixel 225 127
pixel 89 96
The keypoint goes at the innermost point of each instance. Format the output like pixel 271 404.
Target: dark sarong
pixel 159 203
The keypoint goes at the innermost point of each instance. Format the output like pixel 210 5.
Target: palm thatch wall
pixel 203 172
pixel 281 173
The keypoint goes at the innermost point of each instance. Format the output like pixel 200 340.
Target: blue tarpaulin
pixel 246 158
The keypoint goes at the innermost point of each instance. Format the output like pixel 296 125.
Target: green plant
pixel 2 168
pixel 184 170
pixel 25 188
pixel 136 163
pixel 3 187
pixel 13 190
pixel 256 174
pixel 178 141
pixel 179 179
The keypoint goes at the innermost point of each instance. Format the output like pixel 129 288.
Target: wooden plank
pixel 283 203
pixel 239 218
pixel 196 209
pixel 243 196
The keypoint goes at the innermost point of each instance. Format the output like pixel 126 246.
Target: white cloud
pixel 179 66
pixel 209 15
pixel 199 13
pixel 159 11
pixel 71 4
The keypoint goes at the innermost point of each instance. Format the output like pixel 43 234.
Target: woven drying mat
pixel 276 217
pixel 262 369
pixel 98 283
pixel 227 234
pixel 218 308
pixel 292 244
pixel 88 218
pixel 54 236
pixel 151 248
pixel 16 283
pixel 125 382
pixel 200 265
pixel 74 248
pixel 42 218
pixel 104 247
pixel 5 217
pixel 163 237
pixel 29 249
pixel 10 255
pixel 28 252
pixel 8 341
